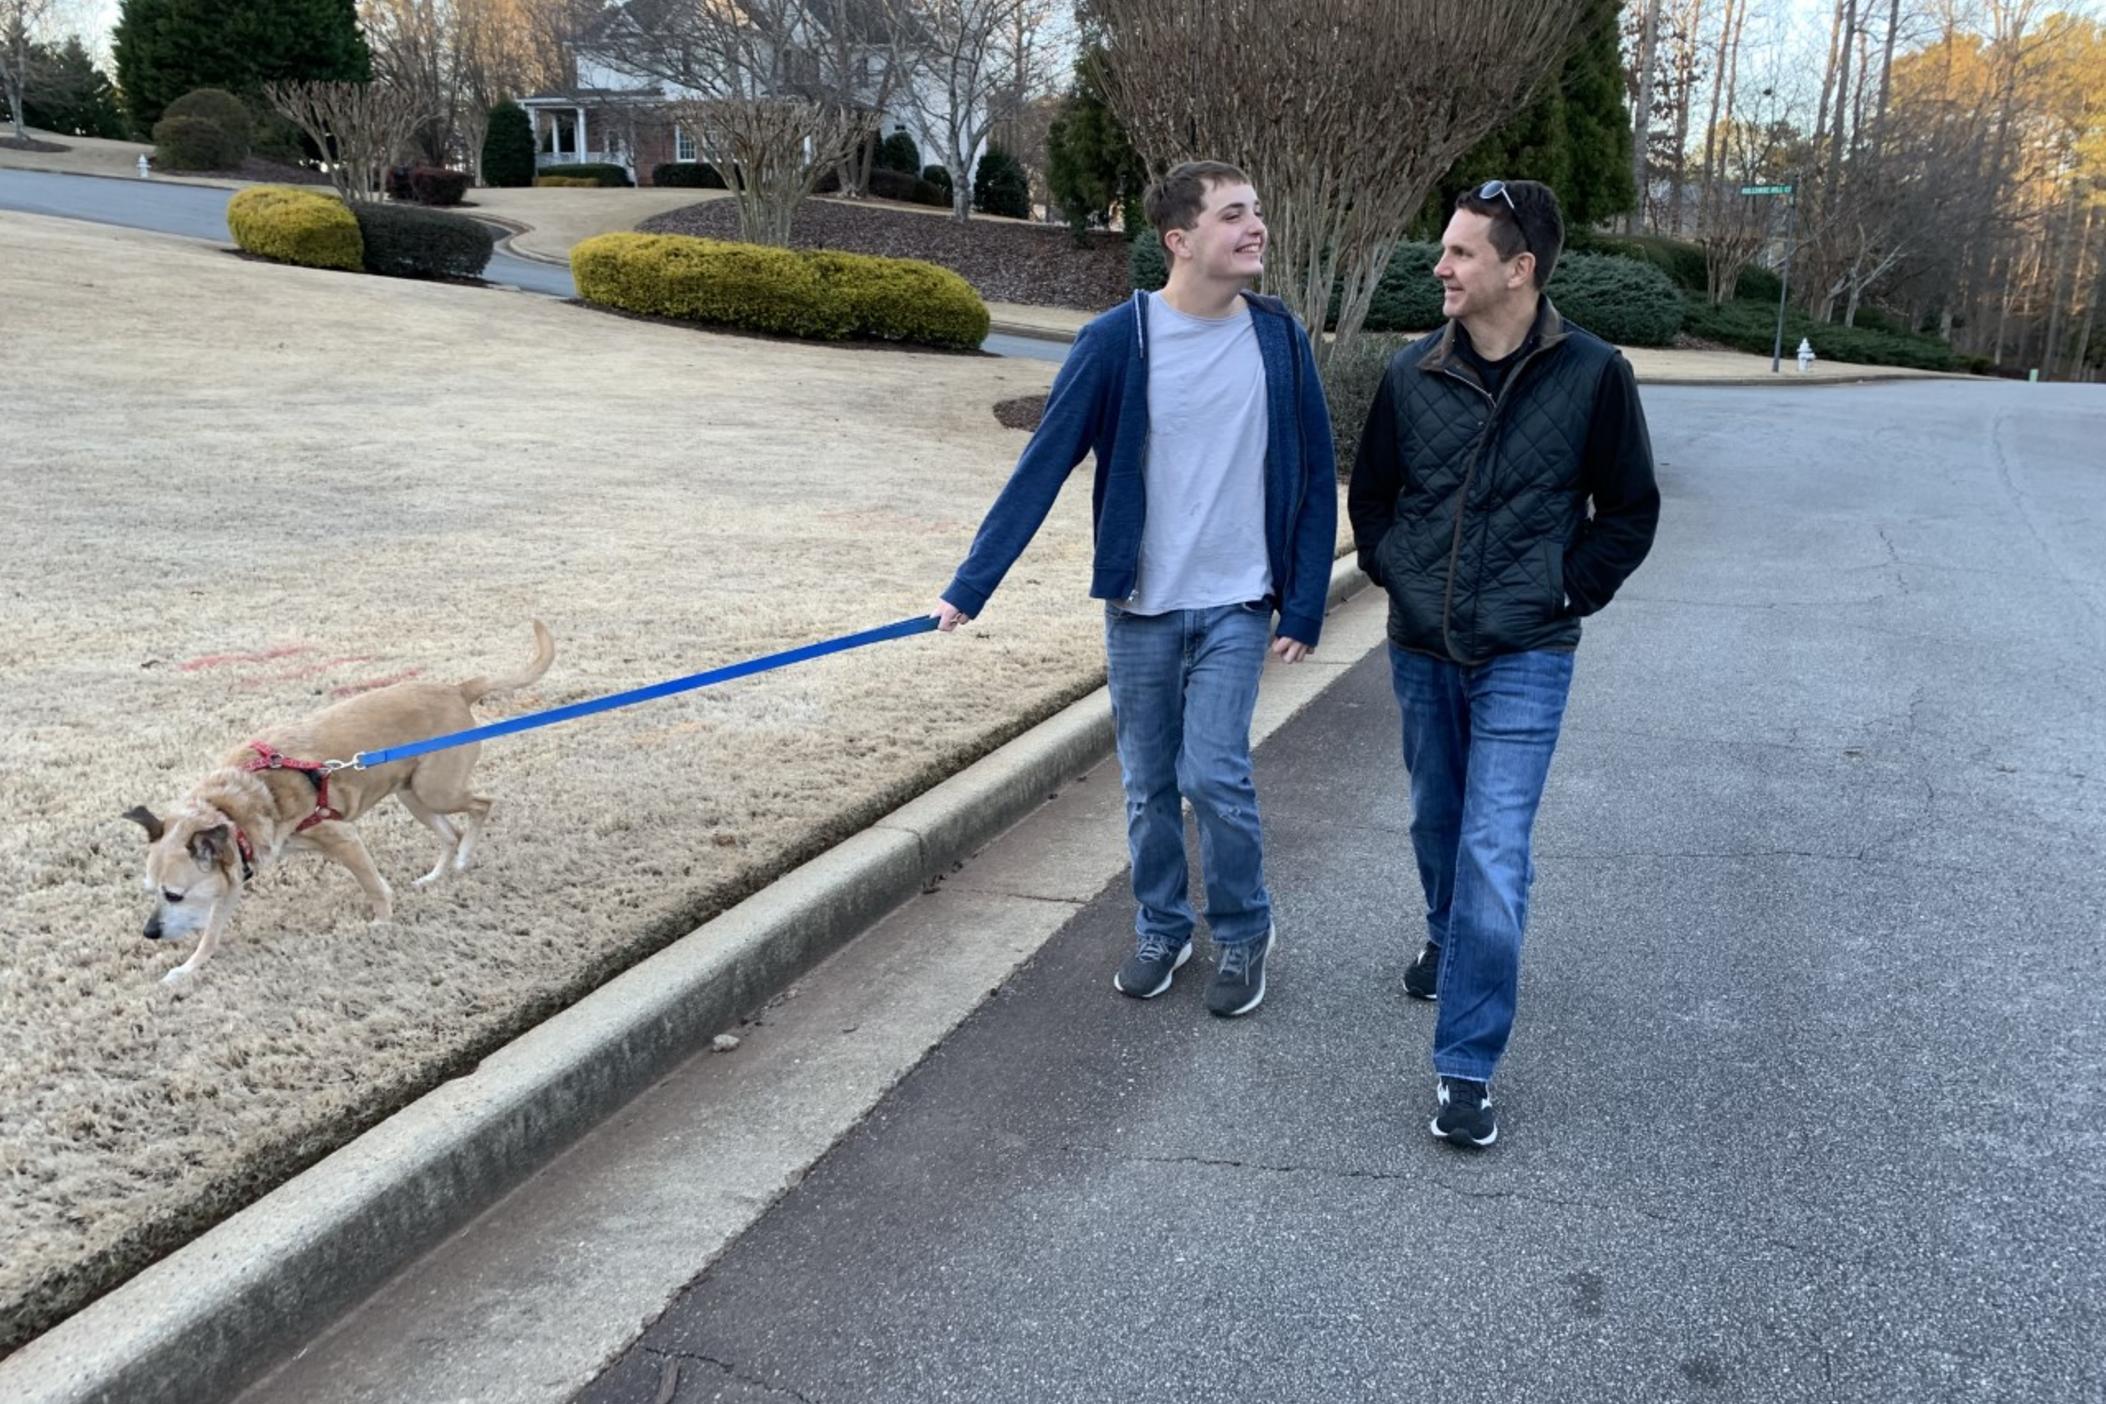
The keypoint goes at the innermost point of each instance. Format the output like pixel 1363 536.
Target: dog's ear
pixel 208 846
pixel 146 819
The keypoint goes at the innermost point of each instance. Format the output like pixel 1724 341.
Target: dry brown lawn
pixel 236 491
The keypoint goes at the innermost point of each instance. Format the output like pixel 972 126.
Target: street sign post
pixel 1784 278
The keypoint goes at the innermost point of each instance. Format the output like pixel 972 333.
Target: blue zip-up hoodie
pixel 1099 402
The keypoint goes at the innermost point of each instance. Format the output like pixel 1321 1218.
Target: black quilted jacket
pixel 1473 512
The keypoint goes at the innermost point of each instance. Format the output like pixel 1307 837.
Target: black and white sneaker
pixel 1238 985
pixel 1423 980
pixel 1464 1117
pixel 1149 970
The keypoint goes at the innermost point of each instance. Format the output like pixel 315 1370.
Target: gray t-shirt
pixel 1203 540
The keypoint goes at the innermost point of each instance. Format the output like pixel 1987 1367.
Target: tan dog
pixel 270 798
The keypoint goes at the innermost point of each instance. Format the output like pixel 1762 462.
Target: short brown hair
pixel 1175 201
pixel 1533 223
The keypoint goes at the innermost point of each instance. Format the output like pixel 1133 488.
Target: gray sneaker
pixel 1238 985
pixel 1148 971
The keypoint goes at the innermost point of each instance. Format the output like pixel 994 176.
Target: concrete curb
pixel 512 230
pixel 214 1315
pixel 1031 333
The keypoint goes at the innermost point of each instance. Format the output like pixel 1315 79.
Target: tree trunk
pixel 2061 286
pixel 1706 204
pixel 1642 116
pixel 1686 76
pixel 1842 98
pixel 2081 370
pixel 1886 80
pixel 1835 27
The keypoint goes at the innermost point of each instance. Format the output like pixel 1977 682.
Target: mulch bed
pixel 1023 412
pixel 1005 261
pixel 32 144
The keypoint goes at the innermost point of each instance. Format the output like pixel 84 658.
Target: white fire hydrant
pixel 146 172
pixel 1806 355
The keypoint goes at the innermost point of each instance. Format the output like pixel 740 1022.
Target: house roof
pixel 574 96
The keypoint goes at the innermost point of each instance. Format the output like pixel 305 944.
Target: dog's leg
pixel 215 927
pixel 340 843
pixel 449 837
pixel 441 785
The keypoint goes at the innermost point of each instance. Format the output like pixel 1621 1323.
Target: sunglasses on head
pixel 1495 190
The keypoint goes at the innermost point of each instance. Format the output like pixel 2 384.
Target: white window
pixel 683 145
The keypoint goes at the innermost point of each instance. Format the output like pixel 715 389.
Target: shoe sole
pixel 1457 1139
pixel 1433 998
pixel 1271 937
pixel 1177 965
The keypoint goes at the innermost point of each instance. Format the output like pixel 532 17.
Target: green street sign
pixel 1765 190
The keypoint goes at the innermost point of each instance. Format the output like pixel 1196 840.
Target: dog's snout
pixel 153 927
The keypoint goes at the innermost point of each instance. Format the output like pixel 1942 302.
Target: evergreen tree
pixel 69 95
pixel 166 48
pixel 508 146
pixel 1092 169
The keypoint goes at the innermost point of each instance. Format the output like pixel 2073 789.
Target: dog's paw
pixel 178 976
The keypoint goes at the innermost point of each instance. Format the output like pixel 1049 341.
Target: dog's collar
pixel 269 757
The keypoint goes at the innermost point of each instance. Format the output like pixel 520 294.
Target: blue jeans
pixel 1183 685
pixel 1477 745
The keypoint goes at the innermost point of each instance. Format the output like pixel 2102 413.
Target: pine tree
pixel 508 146
pixel 1092 169
pixel 69 95
pixel 166 48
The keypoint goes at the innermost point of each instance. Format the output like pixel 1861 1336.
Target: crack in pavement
pixel 728 1368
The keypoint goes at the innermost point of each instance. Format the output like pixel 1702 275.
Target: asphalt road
pixel 1808 1097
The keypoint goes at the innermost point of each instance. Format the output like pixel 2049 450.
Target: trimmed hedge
pixel 438 185
pixel 940 177
pixel 1624 300
pixel 564 183
pixel 588 172
pixel 1350 382
pixel 826 296
pixel 296 226
pixel 691 175
pixel 894 185
pixel 1408 299
pixel 403 241
pixel 1751 326
pixel 1000 186
pixel 224 111
pixel 898 153
pixel 194 144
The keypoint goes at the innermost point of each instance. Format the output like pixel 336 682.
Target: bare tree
pixel 966 80
pixel 360 128
pixel 772 151
pixel 1642 114
pixel 20 23
pixel 864 60
pixel 1345 113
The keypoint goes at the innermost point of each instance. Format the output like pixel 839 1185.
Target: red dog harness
pixel 269 757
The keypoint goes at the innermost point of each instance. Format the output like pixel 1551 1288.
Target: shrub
pixel 1681 260
pixel 828 296
pixel 591 173
pixel 1408 299
pixel 940 177
pixel 193 144
pixel 898 153
pixel 565 183
pixel 1625 300
pixel 396 182
pixel 277 139
pixel 438 185
pixel 1750 326
pixel 692 175
pixel 903 299
pixel 893 185
pixel 223 110
pixel 295 226
pixel 1147 262
pixel 403 241
pixel 1000 186
pixel 1350 381
pixel 508 147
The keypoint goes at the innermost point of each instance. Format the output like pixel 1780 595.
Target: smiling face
pixel 1227 241
pixel 1475 280
pixel 189 869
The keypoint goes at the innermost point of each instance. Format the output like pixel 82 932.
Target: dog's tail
pixel 476 689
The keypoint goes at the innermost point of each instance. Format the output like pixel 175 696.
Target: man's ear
pixel 1173 240
pixel 1524 269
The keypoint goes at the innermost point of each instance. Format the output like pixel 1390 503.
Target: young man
pixel 1470 501
pixel 1216 509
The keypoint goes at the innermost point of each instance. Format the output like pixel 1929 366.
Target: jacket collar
pixel 1545 332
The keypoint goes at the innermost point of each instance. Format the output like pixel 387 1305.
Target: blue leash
pixel 366 760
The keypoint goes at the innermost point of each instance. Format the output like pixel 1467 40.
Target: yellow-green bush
pixel 565 183
pixel 903 299
pixel 296 226
pixel 827 296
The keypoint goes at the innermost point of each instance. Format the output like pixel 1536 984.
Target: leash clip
pixel 332 767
